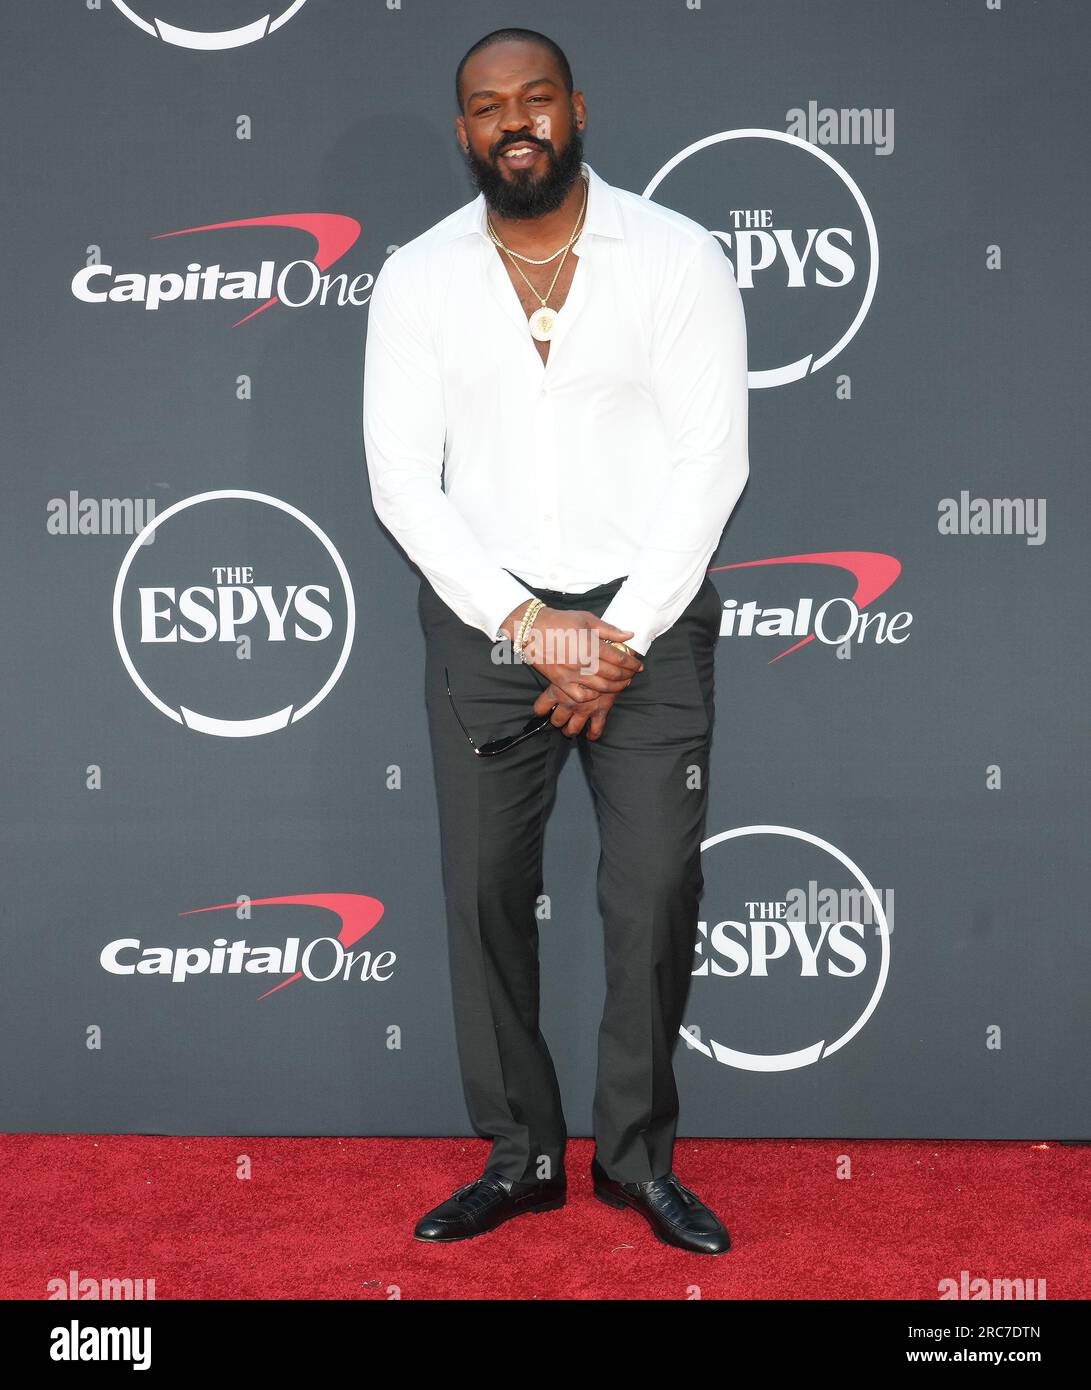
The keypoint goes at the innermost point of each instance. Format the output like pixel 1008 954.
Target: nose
pixel 513 119
pixel 515 125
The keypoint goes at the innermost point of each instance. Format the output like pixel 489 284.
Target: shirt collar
pixel 603 217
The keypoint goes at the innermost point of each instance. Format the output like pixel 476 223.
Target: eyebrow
pixel 534 82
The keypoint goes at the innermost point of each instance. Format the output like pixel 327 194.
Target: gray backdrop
pixel 934 196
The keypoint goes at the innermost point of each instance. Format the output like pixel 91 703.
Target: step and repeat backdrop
pixel 223 910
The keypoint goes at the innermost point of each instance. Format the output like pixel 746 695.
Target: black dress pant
pixel 649 780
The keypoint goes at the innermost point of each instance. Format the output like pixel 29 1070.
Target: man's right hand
pixel 573 719
pixel 566 638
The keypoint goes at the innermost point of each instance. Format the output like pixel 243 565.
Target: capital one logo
pixel 775 989
pixel 298 284
pixel 147 15
pixel 320 959
pixel 239 620
pixel 845 621
pixel 798 233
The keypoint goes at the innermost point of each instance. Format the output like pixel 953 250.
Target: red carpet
pixel 332 1218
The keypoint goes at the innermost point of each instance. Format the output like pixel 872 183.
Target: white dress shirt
pixel 623 454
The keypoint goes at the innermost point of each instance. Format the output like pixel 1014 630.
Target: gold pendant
pixel 541 323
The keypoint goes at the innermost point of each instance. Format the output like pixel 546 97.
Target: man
pixel 555 422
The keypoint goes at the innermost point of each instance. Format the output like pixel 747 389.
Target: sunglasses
pixel 498 745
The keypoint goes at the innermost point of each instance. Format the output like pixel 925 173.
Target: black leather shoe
pixel 487 1202
pixel 675 1214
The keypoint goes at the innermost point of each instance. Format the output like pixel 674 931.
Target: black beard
pixel 526 195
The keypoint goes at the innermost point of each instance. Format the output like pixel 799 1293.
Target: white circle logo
pixel 242 611
pixel 749 948
pixel 251 32
pixel 795 237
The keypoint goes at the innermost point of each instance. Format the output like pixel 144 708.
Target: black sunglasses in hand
pixel 498 745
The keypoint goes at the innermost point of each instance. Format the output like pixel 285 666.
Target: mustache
pixel 503 145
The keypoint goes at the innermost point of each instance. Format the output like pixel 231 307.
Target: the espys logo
pixel 783 979
pixel 254 26
pixel 322 959
pixel 333 233
pixel 799 235
pixel 240 619
pixel 840 620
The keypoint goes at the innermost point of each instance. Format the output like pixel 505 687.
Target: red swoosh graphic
pixel 873 571
pixel 357 912
pixel 333 235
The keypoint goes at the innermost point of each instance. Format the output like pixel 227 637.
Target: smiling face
pixel 520 129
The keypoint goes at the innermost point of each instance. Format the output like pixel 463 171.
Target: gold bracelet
pixel 531 612
pixel 533 608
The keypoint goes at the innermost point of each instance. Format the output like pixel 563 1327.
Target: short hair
pixel 504 36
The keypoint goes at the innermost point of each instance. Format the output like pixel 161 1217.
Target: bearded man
pixel 555 424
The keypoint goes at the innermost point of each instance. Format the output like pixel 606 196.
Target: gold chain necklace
pixel 542 321
pixel 529 260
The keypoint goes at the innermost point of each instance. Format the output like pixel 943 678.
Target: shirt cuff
pixel 508 595
pixel 635 616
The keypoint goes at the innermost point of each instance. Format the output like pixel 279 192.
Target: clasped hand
pixel 579 697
